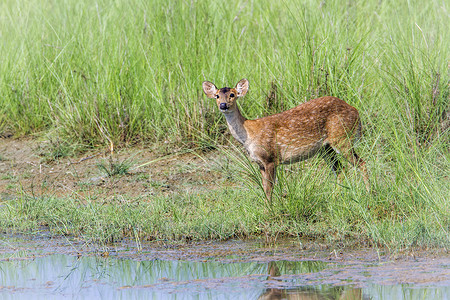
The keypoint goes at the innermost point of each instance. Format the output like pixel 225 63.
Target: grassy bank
pixel 312 206
pixel 405 212
pixel 92 74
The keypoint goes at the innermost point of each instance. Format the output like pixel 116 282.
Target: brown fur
pixel 292 135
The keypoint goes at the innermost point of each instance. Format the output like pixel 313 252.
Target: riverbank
pixel 202 195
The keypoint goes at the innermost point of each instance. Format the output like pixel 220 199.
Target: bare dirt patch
pixel 26 167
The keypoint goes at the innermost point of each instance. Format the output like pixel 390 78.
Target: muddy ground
pixel 39 167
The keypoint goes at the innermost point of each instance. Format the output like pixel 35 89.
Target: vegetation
pixel 119 73
pixel 111 167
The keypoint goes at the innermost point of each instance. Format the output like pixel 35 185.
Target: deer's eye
pixel 231 95
pixel 217 96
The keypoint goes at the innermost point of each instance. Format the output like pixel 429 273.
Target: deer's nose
pixel 223 106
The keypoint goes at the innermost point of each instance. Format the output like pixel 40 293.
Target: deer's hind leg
pixel 332 158
pixel 344 146
pixel 357 161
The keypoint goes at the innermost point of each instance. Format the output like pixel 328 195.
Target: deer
pixel 326 125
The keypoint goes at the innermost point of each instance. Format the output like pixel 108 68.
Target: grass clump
pixel 112 167
pixel 54 149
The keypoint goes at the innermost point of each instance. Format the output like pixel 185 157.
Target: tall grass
pixel 136 67
pixel 122 72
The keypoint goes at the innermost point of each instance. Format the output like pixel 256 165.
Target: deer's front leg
pixel 268 178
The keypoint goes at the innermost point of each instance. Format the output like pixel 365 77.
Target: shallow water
pixel 36 273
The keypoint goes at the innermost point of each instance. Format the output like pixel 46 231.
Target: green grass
pixel 314 208
pixel 110 167
pixel 133 70
pixel 122 73
pixel 54 149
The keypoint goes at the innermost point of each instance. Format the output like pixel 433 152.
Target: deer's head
pixel 226 97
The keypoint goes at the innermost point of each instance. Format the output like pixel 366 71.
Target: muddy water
pixel 48 268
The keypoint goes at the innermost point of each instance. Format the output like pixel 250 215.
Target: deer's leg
pixel 268 178
pixel 349 153
pixel 332 159
pixel 357 161
pixel 341 140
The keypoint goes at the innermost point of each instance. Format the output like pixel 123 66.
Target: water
pixel 62 276
pixel 51 270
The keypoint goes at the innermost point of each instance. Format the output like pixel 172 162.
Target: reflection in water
pixel 310 293
pixel 62 276
pixel 305 293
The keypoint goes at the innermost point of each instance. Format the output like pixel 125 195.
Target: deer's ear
pixel 209 89
pixel 242 87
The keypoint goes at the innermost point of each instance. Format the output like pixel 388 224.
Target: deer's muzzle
pixel 223 106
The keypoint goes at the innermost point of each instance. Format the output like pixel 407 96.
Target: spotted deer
pixel 326 125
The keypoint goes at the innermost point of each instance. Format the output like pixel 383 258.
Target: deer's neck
pixel 236 124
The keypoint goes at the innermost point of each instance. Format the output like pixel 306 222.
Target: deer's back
pixel 298 133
